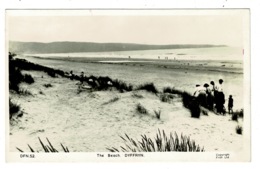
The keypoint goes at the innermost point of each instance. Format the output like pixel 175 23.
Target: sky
pixel 142 29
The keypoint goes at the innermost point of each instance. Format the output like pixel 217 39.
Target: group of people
pixel 213 97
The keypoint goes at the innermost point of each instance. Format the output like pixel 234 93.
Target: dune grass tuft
pixel 28 79
pixel 138 96
pixel 47 85
pixel 172 90
pixel 141 109
pixel 157 114
pixel 24 92
pixel 148 87
pixel 48 148
pixel 122 86
pixel 239 129
pixel 161 143
pixel 112 100
pixel 237 114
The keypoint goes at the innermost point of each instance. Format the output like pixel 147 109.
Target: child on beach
pixel 230 104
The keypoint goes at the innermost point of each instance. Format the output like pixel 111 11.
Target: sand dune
pixel 89 121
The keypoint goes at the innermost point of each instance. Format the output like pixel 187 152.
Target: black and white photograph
pixel 126 85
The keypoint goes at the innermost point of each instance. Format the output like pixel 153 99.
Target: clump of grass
pixel 237 114
pixel 135 95
pixel 234 116
pixel 165 97
pixel 24 92
pixel 148 87
pixel 141 109
pixel 172 90
pixel 28 79
pixel 51 73
pixel 157 114
pixel 241 113
pixel 112 100
pixel 239 129
pixel 13 108
pixel 41 92
pixel 161 143
pixel 47 85
pixel 122 86
pixel 48 148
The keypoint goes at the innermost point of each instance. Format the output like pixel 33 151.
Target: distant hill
pixel 78 47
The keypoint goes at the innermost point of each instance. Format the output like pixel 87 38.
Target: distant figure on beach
pixel 158 57
pixel 220 99
pixel 209 97
pixel 230 104
pixel 200 95
pixel 71 75
pixel 129 57
pixel 82 77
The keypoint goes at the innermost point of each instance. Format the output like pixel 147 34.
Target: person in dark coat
pixel 230 104
pixel 220 100
pixel 209 97
pixel 82 77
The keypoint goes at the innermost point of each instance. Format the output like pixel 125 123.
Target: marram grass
pixel 161 143
pixel 48 148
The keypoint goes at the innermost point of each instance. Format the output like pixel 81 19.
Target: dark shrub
pixel 239 129
pixel 13 108
pixel 47 85
pixel 148 87
pixel 51 73
pixel 172 90
pixel 28 79
pixel 241 113
pixel 15 77
pixel 234 116
pixel 122 86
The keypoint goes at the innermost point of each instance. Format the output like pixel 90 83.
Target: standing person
pixel 71 75
pixel 230 104
pixel 209 97
pixel 82 77
pixel 220 98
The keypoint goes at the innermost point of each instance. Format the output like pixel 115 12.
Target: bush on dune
pixel 13 108
pixel 172 90
pixel 122 86
pixel 161 143
pixel 237 114
pixel 148 87
pixel 239 129
pixel 28 79
pixel 47 85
